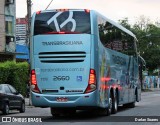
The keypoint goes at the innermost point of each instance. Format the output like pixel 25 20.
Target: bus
pixel 81 60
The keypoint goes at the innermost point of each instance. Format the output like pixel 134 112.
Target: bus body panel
pixel 74 101
pixel 120 71
pixel 62 63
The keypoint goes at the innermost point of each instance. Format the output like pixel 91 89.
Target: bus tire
pixel 109 109
pixel 114 103
pixel 55 112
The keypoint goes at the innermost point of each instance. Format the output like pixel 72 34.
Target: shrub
pixel 15 74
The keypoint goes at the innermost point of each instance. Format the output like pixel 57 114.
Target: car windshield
pixel 0 87
pixel 69 22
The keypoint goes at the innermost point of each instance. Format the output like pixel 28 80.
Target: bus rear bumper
pixel 71 101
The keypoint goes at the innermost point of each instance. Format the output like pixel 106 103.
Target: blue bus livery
pixel 82 60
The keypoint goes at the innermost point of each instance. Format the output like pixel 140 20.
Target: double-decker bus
pixel 82 60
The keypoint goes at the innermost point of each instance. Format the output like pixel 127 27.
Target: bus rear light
pixel 92 81
pixel 92 77
pixel 34 86
pixel 87 10
pixel 33 77
pixel 62 10
pixel 61 33
pixel 105 79
pixel 38 12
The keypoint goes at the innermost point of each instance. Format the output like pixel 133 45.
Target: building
pixel 21 40
pixel 7 29
pixel 25 53
pixel 2 26
pixel 21 31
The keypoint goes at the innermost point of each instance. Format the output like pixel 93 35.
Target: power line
pixel 49 4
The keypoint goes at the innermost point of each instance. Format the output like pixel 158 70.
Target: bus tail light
pixel 34 86
pixel 62 10
pixel 38 12
pixel 87 10
pixel 92 81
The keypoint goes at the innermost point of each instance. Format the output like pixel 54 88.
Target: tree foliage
pixel 148 35
pixel 15 74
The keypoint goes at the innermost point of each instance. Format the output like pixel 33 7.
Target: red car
pixel 10 99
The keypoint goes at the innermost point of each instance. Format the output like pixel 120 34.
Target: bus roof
pixel 109 20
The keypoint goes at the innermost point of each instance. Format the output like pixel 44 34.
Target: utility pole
pixel 29 5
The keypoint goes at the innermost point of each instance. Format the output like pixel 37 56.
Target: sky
pixel 113 9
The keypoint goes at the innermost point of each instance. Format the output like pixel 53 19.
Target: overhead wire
pixel 49 4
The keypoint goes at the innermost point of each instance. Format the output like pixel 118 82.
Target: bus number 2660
pixel 61 78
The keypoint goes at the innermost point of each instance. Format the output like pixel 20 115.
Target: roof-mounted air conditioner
pixel 7 2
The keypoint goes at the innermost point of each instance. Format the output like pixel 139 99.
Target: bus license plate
pixel 62 99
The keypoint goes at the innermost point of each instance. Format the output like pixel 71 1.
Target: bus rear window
pixel 68 22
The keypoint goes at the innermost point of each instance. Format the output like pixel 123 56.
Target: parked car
pixel 10 99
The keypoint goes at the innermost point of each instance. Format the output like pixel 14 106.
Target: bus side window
pixel 114 38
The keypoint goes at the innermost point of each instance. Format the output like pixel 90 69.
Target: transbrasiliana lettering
pixel 62 43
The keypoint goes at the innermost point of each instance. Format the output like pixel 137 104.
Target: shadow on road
pixel 79 116
pixel 84 116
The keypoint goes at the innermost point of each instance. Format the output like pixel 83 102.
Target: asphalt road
pixel 149 106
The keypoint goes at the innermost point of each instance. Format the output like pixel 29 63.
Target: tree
pixel 148 35
pixel 124 22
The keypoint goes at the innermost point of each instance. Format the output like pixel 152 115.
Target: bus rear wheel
pixel 114 103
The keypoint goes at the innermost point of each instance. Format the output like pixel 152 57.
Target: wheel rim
pixel 115 106
pixel 110 104
pixel 7 109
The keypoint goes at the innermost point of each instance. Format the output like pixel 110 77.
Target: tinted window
pixel 12 89
pixel 7 90
pixel 0 87
pixel 68 21
pixel 114 38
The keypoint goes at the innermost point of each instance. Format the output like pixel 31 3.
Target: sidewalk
pixel 154 89
pixel 27 103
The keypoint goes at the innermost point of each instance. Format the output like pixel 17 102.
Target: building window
pixel 7 2
pixel 9 29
